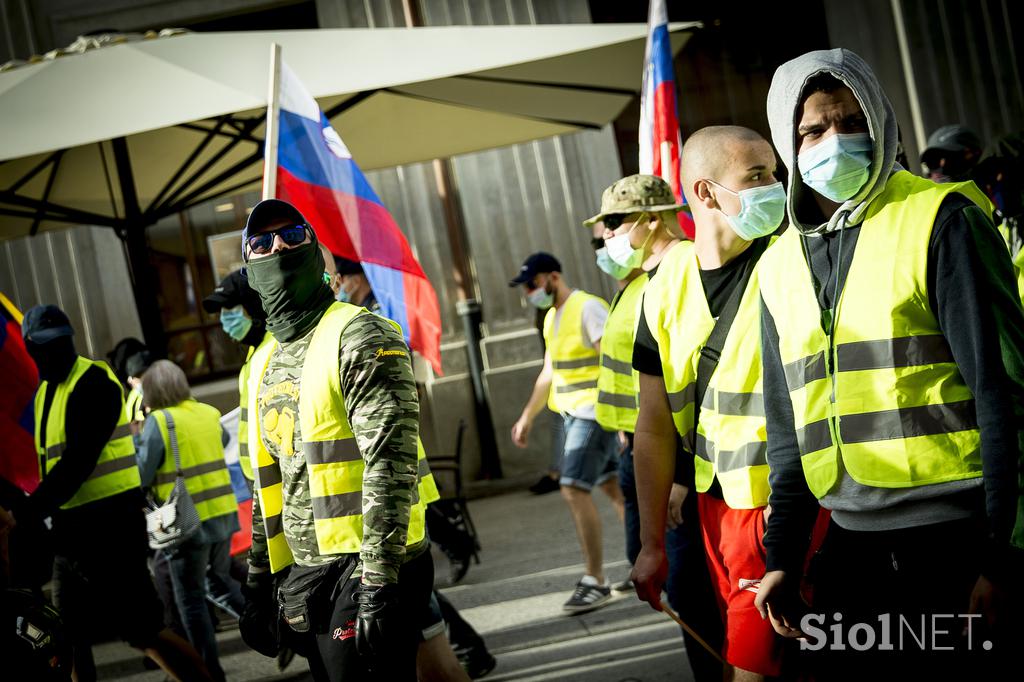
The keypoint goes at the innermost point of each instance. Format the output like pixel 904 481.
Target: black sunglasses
pixel 292 235
pixel 612 221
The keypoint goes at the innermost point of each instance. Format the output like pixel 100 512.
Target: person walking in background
pixel 567 384
pixel 91 489
pixel 951 154
pixel 176 420
pixel 892 342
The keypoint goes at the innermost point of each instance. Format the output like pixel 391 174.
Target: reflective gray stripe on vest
pixel 268 475
pixel 735 404
pixel 581 386
pixel 678 400
pixel 422 470
pixel 197 470
pixel 801 372
pixel 243 414
pixel 55 451
pixel 113 465
pixel 907 351
pixel 211 493
pixel 907 422
pixel 577 363
pixel 331 451
pixel 747 455
pixel 336 506
pixel 616 400
pixel 617 366
pixel 274 525
pixel 813 437
pixel 122 431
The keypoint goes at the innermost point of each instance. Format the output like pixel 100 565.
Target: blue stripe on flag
pixel 661 55
pixel 303 152
pixel 388 286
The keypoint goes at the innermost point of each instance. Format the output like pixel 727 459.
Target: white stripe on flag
pixel 294 96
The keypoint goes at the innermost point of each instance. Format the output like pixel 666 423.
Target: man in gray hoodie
pixel 893 388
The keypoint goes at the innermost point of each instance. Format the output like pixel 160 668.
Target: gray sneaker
pixel 625 586
pixel 587 598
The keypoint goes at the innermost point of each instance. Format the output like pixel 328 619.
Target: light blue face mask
pixel 838 167
pixel 343 296
pixel 761 210
pixel 610 267
pixel 539 298
pixel 235 323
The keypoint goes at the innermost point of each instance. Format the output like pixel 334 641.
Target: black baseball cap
pixel 535 263
pixel 952 138
pixel 345 266
pixel 45 323
pixel 270 211
pixel 137 364
pixel 234 290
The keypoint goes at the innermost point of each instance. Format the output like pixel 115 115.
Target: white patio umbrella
pixel 125 134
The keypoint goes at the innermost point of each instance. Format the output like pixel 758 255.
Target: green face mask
pixel 292 289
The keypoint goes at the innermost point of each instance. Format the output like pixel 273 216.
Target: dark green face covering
pixel 292 289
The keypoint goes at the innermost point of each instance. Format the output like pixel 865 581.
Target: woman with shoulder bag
pixel 182 437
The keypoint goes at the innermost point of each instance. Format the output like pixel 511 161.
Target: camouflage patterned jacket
pixel 383 411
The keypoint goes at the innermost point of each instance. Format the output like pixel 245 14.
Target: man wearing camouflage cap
pixel 638 224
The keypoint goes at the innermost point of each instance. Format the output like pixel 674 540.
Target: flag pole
pixel 273 117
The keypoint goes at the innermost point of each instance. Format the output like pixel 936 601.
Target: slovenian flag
pixel 316 173
pixel 18 461
pixel 660 139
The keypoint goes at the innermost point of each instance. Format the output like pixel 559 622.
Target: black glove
pixel 258 624
pixel 377 620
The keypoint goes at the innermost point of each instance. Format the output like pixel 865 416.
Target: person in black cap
pixel 351 285
pixel 341 482
pixel 573 326
pixel 135 367
pixel 90 490
pixel 241 315
pixel 952 152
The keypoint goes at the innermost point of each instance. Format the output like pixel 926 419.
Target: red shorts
pixel 736 559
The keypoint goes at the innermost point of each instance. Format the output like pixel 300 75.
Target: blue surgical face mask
pixel 610 267
pixel 622 252
pixel 541 298
pixel 837 167
pixel 761 210
pixel 343 296
pixel 235 323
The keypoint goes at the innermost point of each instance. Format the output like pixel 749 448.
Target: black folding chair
pixel 453 505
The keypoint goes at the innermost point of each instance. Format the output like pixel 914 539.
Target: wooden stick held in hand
pixel 679 621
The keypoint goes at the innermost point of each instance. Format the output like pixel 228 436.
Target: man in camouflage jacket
pixel 342 611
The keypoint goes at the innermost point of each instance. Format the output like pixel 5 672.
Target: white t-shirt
pixel 592 316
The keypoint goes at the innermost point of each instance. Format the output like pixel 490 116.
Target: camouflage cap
pixel 636 193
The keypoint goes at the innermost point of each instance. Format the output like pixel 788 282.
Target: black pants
pixel 330 644
pixel 914 584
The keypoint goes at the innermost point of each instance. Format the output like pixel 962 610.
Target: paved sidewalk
pixel 530 563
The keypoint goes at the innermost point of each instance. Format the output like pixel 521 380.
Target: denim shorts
pixel 589 456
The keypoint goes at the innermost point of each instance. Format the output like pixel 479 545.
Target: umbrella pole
pixel 133 234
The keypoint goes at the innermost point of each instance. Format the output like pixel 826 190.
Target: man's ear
pixel 702 190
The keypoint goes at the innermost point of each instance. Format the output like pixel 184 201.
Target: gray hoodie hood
pixel 783 116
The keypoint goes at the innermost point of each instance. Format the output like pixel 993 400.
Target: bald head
pixel 712 151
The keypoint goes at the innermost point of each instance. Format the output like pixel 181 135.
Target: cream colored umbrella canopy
pixel 125 134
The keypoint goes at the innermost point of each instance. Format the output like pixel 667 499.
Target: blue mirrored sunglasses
pixel 262 243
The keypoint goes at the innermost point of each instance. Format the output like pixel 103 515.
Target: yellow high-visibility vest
pixel 730 440
pixel 116 470
pixel 886 394
pixel 133 406
pixel 243 411
pixel 576 366
pixel 618 384
pixel 200 449
pixel 333 460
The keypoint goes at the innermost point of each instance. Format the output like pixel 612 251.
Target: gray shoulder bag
pixel 176 519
